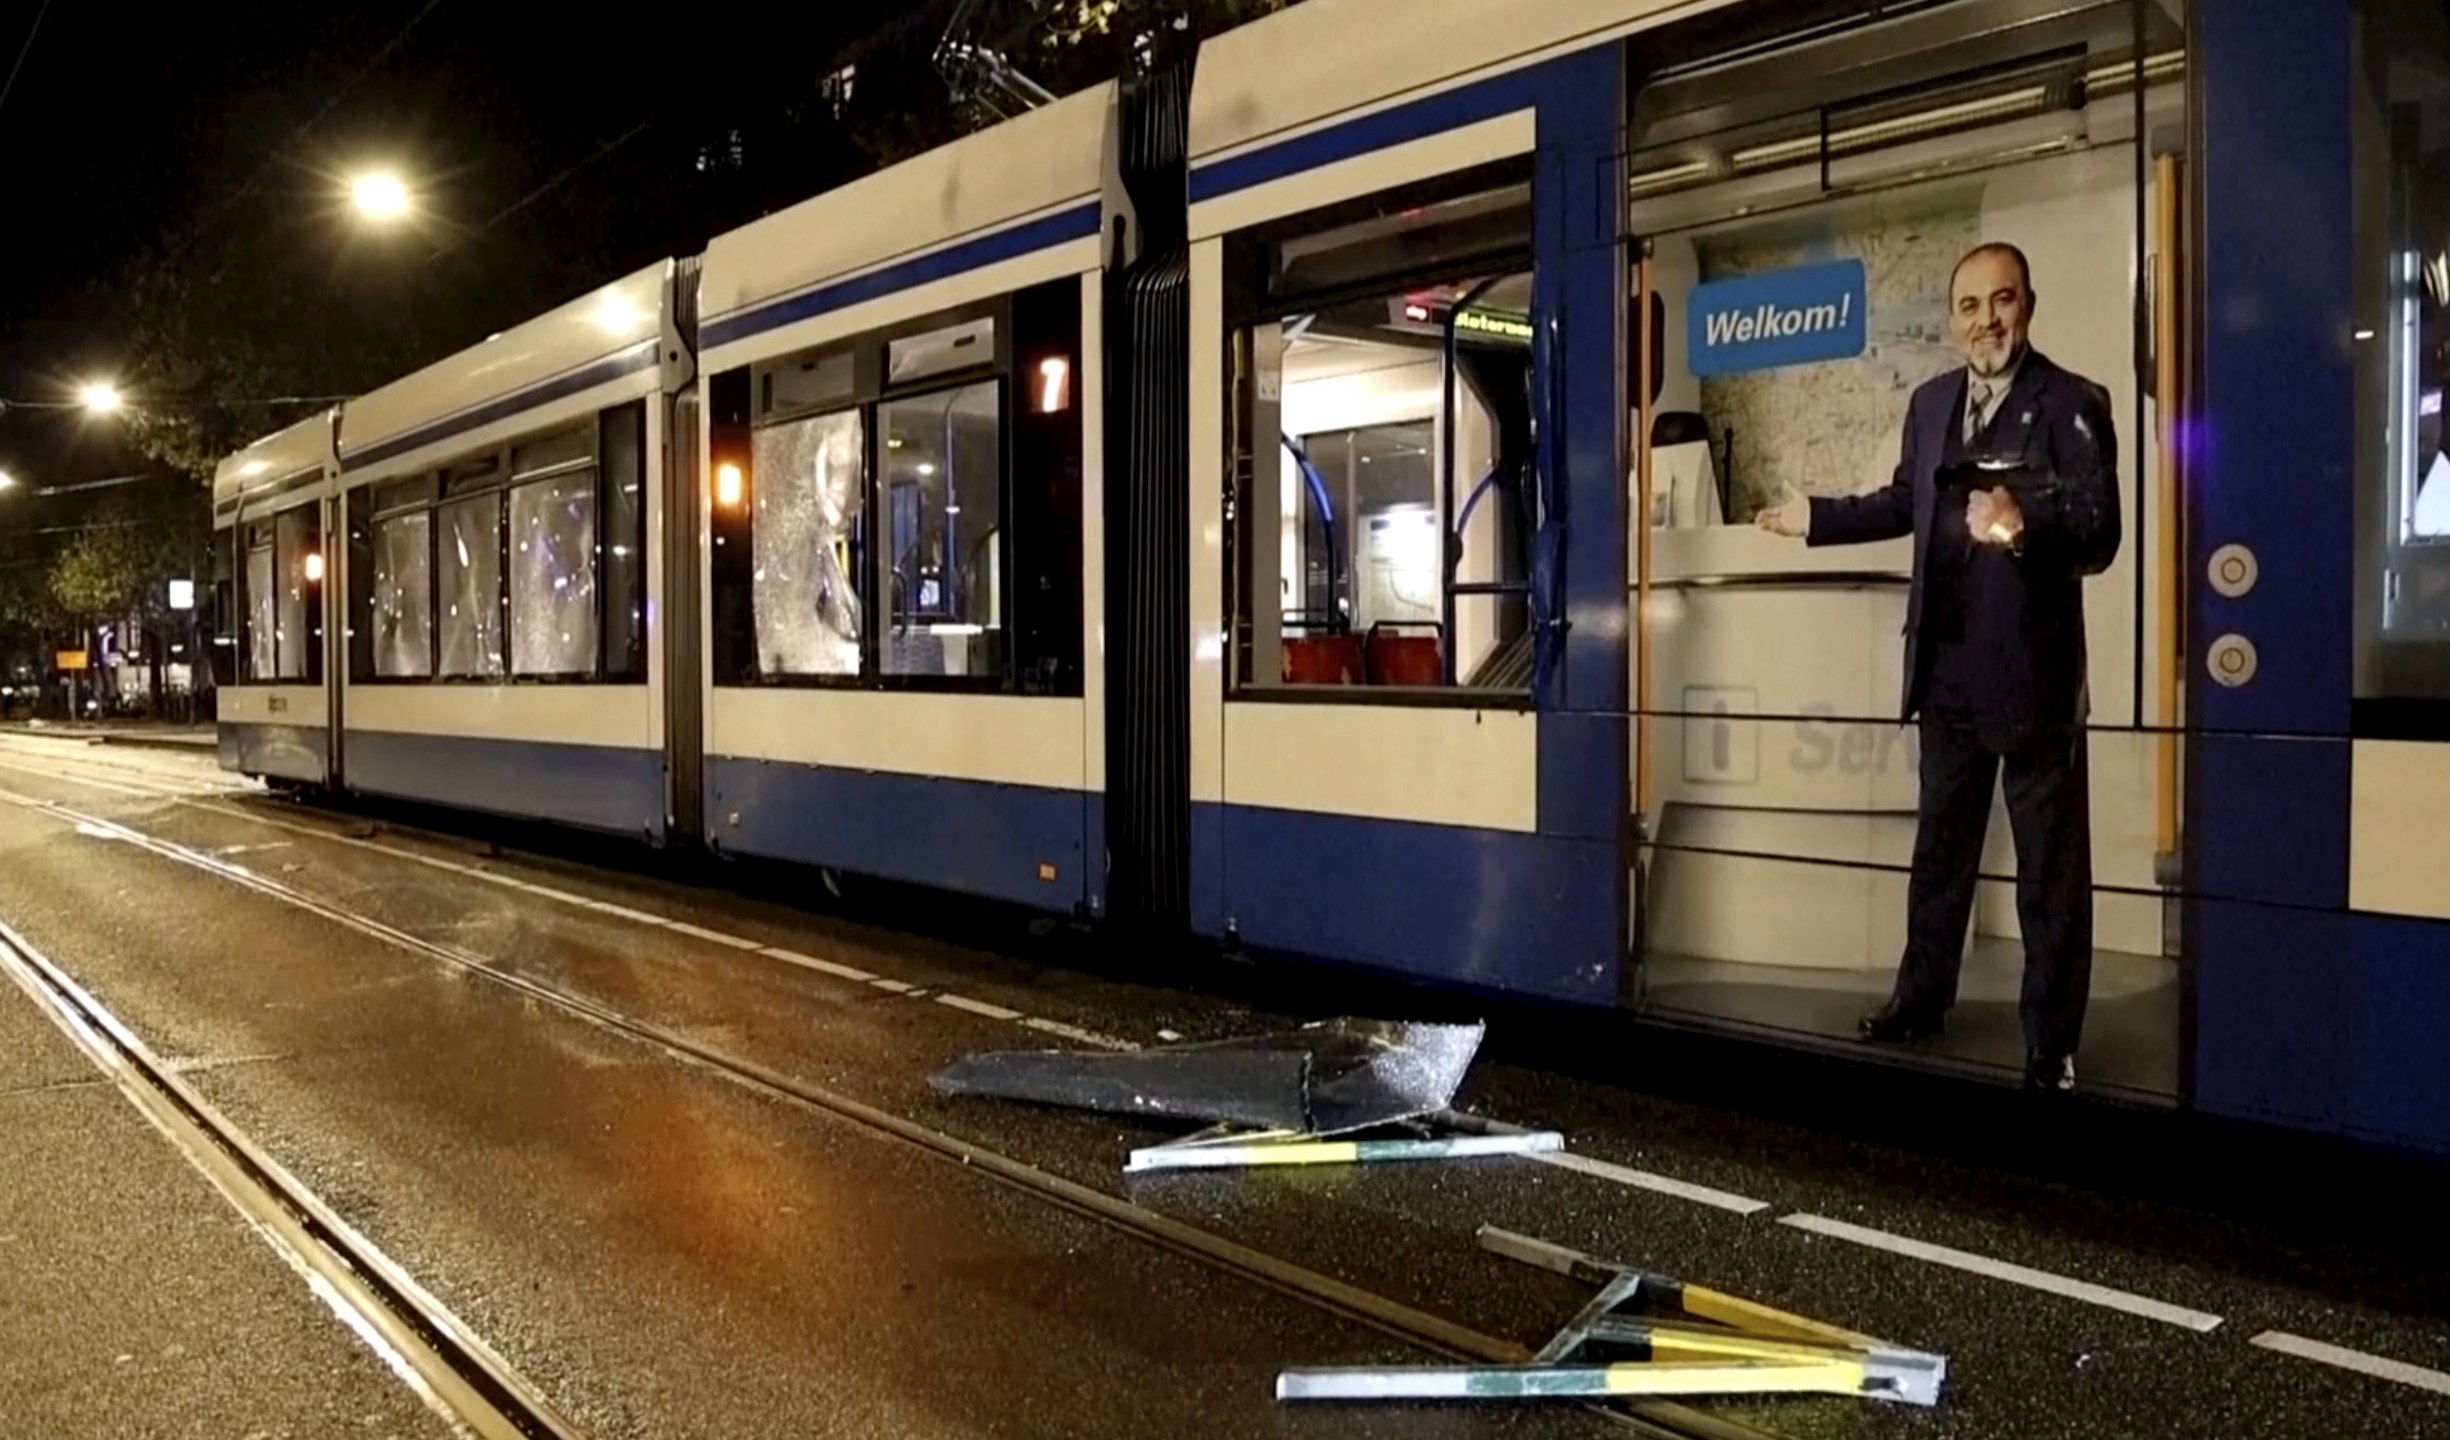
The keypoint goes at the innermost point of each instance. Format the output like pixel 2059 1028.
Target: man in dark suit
pixel 1995 663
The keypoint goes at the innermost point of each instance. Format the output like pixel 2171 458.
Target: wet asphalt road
pixel 669 1254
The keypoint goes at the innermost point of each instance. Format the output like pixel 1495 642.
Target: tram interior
pixel 1781 788
pixel 1359 571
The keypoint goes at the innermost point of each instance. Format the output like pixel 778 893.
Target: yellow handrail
pixel 2168 395
pixel 1641 603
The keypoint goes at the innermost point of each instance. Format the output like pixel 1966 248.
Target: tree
pixel 231 347
pixel 29 617
pixel 119 566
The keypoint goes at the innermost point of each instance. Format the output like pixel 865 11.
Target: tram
pixel 1307 503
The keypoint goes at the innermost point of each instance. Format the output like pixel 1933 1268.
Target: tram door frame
pixel 2166 339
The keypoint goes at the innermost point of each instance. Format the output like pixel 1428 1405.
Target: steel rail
pixel 453 1370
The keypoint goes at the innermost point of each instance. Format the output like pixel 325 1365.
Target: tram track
pixel 1651 1419
pixel 445 1362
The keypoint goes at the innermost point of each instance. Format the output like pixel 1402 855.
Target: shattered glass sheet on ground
pixel 1327 1078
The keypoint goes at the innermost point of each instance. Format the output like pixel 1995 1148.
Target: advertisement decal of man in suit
pixel 2008 483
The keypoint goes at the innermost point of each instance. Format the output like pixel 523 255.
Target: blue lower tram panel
pixel 1487 909
pixel 592 787
pixel 2324 1020
pixel 1024 844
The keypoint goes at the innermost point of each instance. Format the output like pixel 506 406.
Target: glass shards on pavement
pixel 1329 1078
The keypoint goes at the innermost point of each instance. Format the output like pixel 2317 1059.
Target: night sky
pixel 547 156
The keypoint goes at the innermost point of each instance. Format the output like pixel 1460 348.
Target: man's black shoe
pixel 1893 1023
pixel 2050 1074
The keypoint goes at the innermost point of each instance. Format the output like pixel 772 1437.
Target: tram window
pixel 477 472
pixel 401 606
pixel 1381 477
pixel 731 564
pixel 263 607
pixel 291 602
pixel 1342 556
pixel 1381 417
pixel 2401 332
pixel 623 542
pixel 941 464
pixel 969 345
pixel 552 552
pixel 1042 514
pixel 469 587
pixel 802 383
pixel 922 529
pixel 391 580
pixel 807 537
pixel 221 616
pixel 918 436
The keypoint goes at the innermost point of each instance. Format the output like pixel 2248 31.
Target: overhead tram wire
pixel 22 51
pixel 607 148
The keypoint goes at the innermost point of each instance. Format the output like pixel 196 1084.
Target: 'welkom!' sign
pixel 1786 317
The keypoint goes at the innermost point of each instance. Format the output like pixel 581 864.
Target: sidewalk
pixel 139 1303
pixel 146 734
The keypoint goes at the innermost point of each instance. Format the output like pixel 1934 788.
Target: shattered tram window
pixel 806 539
pixel 403 596
pixel 263 605
pixel 298 537
pixel 552 575
pixel 471 586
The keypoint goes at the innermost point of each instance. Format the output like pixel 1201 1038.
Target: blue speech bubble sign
pixel 1786 317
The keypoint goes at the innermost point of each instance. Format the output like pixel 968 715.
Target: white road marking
pixel 1657 1184
pixel 978 1007
pixel 892 986
pixel 1620 1174
pixel 1075 1033
pixel 822 967
pixel 2357 1360
pixel 717 937
pixel 2043 1280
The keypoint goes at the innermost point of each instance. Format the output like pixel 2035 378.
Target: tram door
pixel 1826 240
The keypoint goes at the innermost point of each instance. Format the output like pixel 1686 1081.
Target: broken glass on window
pixel 471 586
pixel 403 596
pixel 806 535
pixel 552 575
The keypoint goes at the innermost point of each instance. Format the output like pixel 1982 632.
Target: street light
pixel 101 398
pixel 96 397
pixel 379 195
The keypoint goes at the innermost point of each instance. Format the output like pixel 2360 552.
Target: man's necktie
pixel 1977 406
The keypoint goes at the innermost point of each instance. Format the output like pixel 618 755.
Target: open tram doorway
pixel 1799 216
pixel 1402 532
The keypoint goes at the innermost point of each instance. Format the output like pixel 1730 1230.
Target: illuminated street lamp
pixel 379 196
pixel 94 398
pixel 7 481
